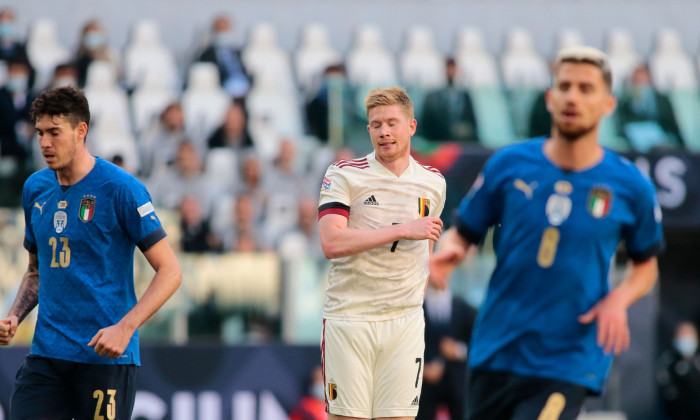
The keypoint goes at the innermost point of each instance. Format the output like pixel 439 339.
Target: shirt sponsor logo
pixel 40 207
pixel 526 188
pixel 146 209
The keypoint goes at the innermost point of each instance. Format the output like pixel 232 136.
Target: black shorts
pixel 505 396
pixel 58 389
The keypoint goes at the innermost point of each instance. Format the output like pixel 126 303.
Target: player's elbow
pixel 331 249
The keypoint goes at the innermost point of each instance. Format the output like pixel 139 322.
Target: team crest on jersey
pixel 599 202
pixel 332 390
pixel 87 208
pixel 423 207
pixel 60 221
pixel 326 184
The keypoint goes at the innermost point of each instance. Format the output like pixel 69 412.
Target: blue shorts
pixel 58 389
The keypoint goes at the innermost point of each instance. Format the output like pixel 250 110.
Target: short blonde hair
pixel 394 95
pixel 588 55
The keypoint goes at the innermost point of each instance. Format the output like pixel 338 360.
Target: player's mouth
pixel 386 144
pixel 569 115
pixel 49 157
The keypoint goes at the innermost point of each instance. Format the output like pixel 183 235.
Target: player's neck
pixel 579 154
pixel 81 165
pixel 396 166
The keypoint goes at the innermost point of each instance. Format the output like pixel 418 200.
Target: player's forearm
pixel 639 280
pixel 165 282
pixel 340 243
pixel 28 294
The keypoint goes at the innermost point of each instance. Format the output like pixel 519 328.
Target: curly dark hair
pixel 66 101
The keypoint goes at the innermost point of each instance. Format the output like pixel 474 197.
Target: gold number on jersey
pixel 99 395
pixel 62 259
pixel 548 247
pixel 553 407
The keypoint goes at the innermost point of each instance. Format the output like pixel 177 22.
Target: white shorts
pixel 373 368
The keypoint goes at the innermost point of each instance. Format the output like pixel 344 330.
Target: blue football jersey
pixel 84 236
pixel 557 232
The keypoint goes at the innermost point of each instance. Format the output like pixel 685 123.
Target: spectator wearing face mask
pixel 223 52
pixel 646 116
pixel 65 75
pixel 11 46
pixel 94 46
pixel 679 375
pixel 16 98
pixel 312 406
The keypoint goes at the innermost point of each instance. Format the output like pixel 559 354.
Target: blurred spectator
pixel 119 161
pixel 233 133
pixel 11 46
pixel 65 75
pixel 158 146
pixel 679 375
pixel 252 182
pixel 16 128
pixel 303 239
pixel 184 178
pixel 284 177
pixel 196 232
pixel 312 405
pixel 448 113
pixel 244 234
pixel 93 46
pixel 448 327
pixel 223 52
pixel 330 110
pixel 646 115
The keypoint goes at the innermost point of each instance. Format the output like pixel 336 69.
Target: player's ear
pixel 412 126
pixel 547 95
pixel 81 130
pixel 610 104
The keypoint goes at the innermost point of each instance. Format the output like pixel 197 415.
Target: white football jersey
pixel 388 281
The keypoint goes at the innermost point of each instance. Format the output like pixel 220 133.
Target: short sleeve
pixel 137 215
pixel 644 238
pixel 441 201
pixel 335 194
pixel 481 207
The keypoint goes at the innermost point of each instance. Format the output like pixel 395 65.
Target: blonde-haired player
pixel 378 220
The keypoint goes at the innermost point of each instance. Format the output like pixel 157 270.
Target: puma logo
pixel 527 189
pixel 40 207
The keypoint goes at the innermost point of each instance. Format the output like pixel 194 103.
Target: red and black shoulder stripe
pixel 433 170
pixel 360 163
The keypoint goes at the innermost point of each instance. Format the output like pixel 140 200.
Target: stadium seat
pixel 686 108
pixel 421 64
pixel 521 101
pixel 146 54
pixel 608 137
pixel 204 102
pixel 521 64
pixel 569 37
pixel 45 51
pixel 493 121
pixel 602 415
pixel 368 62
pixel 670 66
pixel 273 109
pixel 221 168
pixel 477 67
pixel 302 299
pixel 315 53
pixel 149 100
pixel 106 98
pixel 622 56
pixel 109 138
pixel 262 54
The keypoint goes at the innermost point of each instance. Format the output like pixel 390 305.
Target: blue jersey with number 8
pixel 557 232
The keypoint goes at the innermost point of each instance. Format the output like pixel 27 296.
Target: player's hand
pixel 111 341
pixel 8 328
pixel 432 374
pixel 442 263
pixel 452 350
pixel 424 228
pixel 613 329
